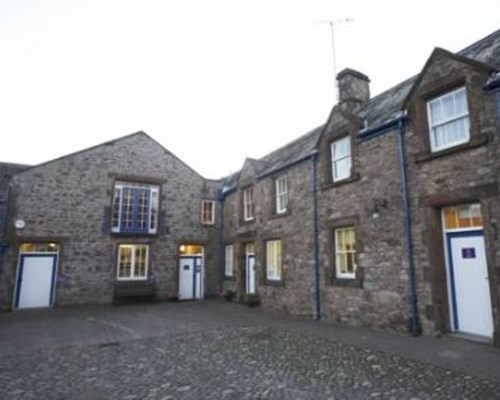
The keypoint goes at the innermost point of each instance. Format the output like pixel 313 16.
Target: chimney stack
pixel 354 87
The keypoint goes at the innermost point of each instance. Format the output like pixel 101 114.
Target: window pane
pixel 345 252
pixel 125 262
pixel 127 209
pixel 153 212
pixel 135 208
pixel 140 261
pixel 341 159
pixel 142 212
pixel 273 259
pixel 449 120
pixel 116 209
pixel 229 260
pixel 450 218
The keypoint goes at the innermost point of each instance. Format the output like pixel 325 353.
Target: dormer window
pixel 341 159
pixel 448 117
pixel 281 195
pixel 248 204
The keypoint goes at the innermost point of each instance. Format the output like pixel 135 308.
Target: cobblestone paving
pixel 239 363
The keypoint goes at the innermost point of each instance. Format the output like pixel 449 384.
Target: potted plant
pixel 228 294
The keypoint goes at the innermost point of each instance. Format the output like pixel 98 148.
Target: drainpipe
pixel 317 286
pixel 221 199
pixel 3 238
pixel 416 329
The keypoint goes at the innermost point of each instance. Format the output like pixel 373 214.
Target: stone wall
pixel 69 201
pixel 464 174
pixel 294 292
pixel 370 201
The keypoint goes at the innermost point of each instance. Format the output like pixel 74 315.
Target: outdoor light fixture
pixel 378 205
pixel 19 224
pixel 182 248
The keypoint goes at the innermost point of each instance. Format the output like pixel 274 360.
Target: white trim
pixel 132 263
pixel 345 157
pixel 446 121
pixel 18 266
pixel 210 221
pixel 276 273
pixel 229 260
pixel 281 196
pixel 248 204
pixel 447 258
pixel 338 273
pixel 154 191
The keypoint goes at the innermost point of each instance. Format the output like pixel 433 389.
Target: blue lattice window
pixel 135 208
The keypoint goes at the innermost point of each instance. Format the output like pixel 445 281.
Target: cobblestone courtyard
pixel 254 359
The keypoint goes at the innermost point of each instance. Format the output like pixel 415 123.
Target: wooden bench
pixel 133 289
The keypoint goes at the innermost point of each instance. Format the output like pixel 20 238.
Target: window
pixel 135 208
pixel 273 260
pixel 448 120
pixel 208 212
pixel 132 261
pixel 341 159
pixel 345 253
pixel 248 204
pixel 281 195
pixel 463 217
pixel 229 260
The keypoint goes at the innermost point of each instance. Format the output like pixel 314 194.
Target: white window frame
pixel 274 260
pixel 450 119
pixel 340 252
pixel 132 263
pixel 153 206
pixel 229 260
pixel 281 186
pixel 337 159
pixel 211 214
pixel 248 204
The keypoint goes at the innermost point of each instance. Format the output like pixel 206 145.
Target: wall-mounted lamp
pixel 182 249
pixel 19 224
pixel 378 205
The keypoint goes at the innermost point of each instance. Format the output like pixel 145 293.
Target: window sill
pixel 472 144
pixel 274 283
pixel 347 282
pixel 275 215
pixel 134 234
pixel 329 185
pixel 247 221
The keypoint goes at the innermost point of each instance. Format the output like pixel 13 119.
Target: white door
pixel 190 278
pixel 250 273
pixel 36 280
pixel 470 285
pixel 186 278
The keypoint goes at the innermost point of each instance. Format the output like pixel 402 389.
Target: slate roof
pixel 377 111
pixel 384 107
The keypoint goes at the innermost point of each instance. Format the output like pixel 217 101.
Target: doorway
pixel 191 274
pixel 36 275
pixel 467 271
pixel 250 268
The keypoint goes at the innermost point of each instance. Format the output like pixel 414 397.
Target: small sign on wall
pixel 468 252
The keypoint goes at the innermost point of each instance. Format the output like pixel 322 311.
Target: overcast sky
pixel 213 81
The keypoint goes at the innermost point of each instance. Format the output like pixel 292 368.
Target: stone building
pixel 110 221
pixel 393 205
pixel 384 216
